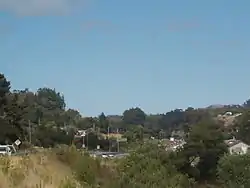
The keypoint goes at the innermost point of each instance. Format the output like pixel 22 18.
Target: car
pixel 7 150
pixel 104 156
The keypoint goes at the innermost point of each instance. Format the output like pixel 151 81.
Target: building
pixel 229 113
pixel 81 133
pixel 237 146
pixel 174 144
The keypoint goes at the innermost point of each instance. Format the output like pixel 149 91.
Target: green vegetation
pixel 42 119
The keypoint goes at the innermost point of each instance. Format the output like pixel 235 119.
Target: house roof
pixel 232 142
pixel 175 143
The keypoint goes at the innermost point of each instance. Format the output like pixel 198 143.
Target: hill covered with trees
pixel 41 118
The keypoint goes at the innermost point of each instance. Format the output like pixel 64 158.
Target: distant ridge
pixel 216 106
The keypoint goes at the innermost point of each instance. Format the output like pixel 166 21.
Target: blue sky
pixel 108 56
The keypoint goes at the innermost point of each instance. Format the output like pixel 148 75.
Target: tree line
pixel 44 112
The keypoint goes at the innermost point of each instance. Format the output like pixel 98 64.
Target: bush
pixel 68 155
pixel 234 170
pixel 86 170
pixel 147 168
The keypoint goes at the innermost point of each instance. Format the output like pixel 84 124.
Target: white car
pixel 7 150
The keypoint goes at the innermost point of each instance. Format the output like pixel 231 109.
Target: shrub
pixel 86 170
pixel 68 155
pixel 234 170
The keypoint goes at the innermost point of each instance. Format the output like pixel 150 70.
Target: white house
pixel 228 113
pixel 173 144
pixel 237 146
pixel 81 133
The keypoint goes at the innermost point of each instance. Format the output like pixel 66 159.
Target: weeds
pixel 68 183
pixel 16 176
pixel 5 164
pixel 35 171
pixel 68 155
pixel 64 167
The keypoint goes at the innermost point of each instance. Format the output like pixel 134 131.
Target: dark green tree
pixel 172 120
pixel 4 85
pixel 86 123
pixel 234 170
pixel 4 89
pixel 8 133
pixel 149 167
pixel 50 99
pixel 103 122
pixel 205 145
pixel 134 133
pixel 11 113
pixel 14 115
pixel 134 116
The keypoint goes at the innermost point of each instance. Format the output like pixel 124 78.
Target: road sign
pixel 17 142
pixel 122 139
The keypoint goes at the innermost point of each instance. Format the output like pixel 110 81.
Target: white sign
pixel 122 140
pixel 17 142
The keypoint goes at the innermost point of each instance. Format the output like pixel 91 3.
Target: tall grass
pixel 64 167
pixel 88 171
pixel 41 170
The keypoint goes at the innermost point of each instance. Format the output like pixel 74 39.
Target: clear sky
pixel 108 56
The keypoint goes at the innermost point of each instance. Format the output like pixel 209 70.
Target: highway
pixel 108 154
pixel 103 154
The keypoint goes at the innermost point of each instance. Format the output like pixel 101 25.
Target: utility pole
pixel 141 134
pixel 118 145
pixel 87 140
pixel 65 128
pixel 83 142
pixel 29 132
pixel 109 140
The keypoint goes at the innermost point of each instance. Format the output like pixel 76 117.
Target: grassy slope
pixel 37 170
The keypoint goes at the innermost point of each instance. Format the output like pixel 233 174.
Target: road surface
pixel 108 154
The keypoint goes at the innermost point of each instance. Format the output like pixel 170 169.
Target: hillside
pixel 228 120
pixel 37 170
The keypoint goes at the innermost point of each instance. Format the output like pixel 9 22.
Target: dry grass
pixel 41 170
pixel 227 120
